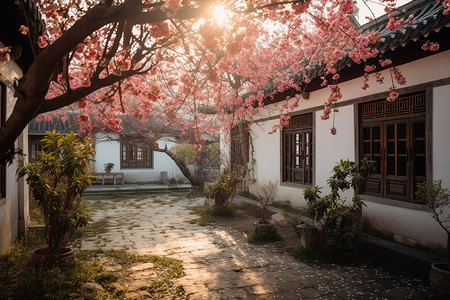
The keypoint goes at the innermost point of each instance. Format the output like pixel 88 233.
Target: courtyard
pixel 218 261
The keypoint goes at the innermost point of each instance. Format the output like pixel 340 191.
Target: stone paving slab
pixel 220 264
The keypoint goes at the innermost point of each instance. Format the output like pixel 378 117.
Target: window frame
pixel 130 151
pixel 408 111
pixel 239 147
pixel 298 146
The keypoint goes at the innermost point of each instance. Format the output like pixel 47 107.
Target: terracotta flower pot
pixel 440 277
pixel 42 256
pixel 264 228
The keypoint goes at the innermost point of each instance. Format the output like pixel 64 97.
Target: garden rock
pixel 91 287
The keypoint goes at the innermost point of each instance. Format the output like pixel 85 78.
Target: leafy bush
pixel 338 221
pixel 438 199
pixel 57 180
pixel 257 238
pixel 185 152
pixel 222 192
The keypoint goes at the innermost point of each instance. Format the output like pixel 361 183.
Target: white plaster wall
pixel 9 206
pixel 108 150
pixel 330 149
pixel 441 135
pixel 404 223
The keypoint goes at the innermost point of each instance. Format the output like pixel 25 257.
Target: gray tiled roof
pixel 56 123
pixel 428 16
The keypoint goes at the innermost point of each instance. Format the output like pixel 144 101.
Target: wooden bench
pixel 102 178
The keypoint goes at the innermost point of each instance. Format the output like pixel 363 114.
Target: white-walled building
pixel 409 138
pixel 139 165
pixel 14 199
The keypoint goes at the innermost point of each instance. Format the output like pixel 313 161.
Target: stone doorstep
pixel 400 256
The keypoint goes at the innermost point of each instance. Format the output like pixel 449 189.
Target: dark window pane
pixel 376 148
pixel 390 131
pixel 366 133
pixel 401 147
pixel 366 148
pixel 401 131
pixel 401 166
pixel 391 147
pixel 391 165
pixel 419 147
pixel 419 130
pixel 376 133
pixel 419 166
pixel 377 159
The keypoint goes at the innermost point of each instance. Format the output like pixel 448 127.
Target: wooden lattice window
pixel 135 153
pixel 239 148
pixel 36 146
pixel 394 135
pixel 297 145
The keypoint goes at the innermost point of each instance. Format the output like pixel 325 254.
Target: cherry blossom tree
pixel 170 60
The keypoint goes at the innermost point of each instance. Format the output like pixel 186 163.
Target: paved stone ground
pixel 220 264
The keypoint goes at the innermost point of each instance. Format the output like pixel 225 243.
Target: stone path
pixel 220 264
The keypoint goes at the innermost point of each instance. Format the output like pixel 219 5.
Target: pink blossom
pixel 84 118
pixel 4 54
pixel 392 96
pixel 385 62
pixel 333 130
pixel 42 41
pixel 370 68
pixel 23 29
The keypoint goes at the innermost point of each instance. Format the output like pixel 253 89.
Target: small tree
pixel 222 192
pixel 339 221
pixel 438 199
pixel 57 180
pixel 266 195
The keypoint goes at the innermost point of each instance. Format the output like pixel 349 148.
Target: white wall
pixel 441 134
pixel 108 150
pixel 13 208
pixel 405 222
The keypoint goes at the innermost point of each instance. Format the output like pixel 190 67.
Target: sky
pixel 375 7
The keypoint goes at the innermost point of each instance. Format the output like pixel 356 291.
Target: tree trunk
pixel 196 182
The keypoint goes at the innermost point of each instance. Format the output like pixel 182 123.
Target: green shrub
pixel 338 221
pixel 257 238
pixel 57 180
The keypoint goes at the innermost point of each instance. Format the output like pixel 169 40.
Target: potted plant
pixel 438 199
pixel 338 221
pixel 57 180
pixel 108 167
pixel 265 195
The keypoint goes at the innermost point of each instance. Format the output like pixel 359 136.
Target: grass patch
pixel 248 195
pixel 287 207
pixel 36 216
pixel 20 280
pixel 257 238
pixel 308 255
pixel 98 227
pixel 211 214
